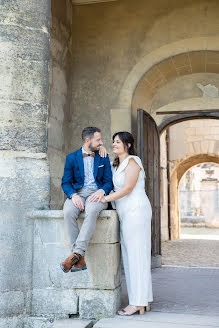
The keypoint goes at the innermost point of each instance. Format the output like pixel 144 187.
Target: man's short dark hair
pixel 89 132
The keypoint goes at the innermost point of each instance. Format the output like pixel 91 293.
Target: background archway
pixel 175 178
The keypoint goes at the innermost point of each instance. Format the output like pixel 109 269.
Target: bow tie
pixel 86 155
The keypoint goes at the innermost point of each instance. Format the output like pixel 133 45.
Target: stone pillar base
pixel 93 293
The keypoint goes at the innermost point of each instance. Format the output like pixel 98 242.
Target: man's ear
pixel 129 145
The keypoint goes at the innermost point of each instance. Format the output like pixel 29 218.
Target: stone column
pixel 24 170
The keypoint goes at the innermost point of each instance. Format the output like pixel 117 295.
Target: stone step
pixel 72 323
pixel 160 320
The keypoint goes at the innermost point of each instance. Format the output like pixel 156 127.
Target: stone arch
pixel 210 105
pixel 124 103
pixel 182 167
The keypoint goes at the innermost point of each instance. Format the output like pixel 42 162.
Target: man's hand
pixel 96 197
pixel 78 202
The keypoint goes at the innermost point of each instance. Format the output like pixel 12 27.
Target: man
pixel 87 178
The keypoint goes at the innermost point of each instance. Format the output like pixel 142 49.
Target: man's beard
pixel 92 148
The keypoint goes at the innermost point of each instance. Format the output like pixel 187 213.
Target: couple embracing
pixel 87 182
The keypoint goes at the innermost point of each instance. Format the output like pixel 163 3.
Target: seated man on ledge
pixel 87 178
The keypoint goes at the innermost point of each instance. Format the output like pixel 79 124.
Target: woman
pixel 134 210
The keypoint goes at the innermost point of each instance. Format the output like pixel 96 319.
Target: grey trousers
pixel 79 239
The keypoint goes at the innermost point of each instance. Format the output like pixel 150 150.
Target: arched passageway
pixel 175 178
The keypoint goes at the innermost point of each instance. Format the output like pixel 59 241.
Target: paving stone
pixel 186 290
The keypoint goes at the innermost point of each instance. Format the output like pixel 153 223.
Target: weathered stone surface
pixel 11 303
pixel 12 322
pixel 26 13
pixel 25 111
pixel 104 265
pixel 23 180
pixel 107 228
pixel 20 137
pixel 34 322
pixel 54 301
pixel 98 303
pixel 27 74
pixel 24 170
pixel 60 132
pixel 56 137
pixel 24 43
pixel 50 249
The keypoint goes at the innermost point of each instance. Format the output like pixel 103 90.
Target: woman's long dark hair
pixel 128 142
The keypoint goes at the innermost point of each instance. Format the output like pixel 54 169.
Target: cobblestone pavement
pixel 201 252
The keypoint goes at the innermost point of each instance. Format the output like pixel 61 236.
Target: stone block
pixel 16 136
pixel 54 302
pixel 21 43
pixel 98 303
pixel 50 249
pixel 107 228
pixel 104 265
pixel 73 323
pixel 37 322
pixel 30 180
pixel 11 303
pixel 27 79
pixel 12 322
pixel 15 248
pixel 24 111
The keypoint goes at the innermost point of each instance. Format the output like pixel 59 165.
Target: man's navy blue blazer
pixel 73 177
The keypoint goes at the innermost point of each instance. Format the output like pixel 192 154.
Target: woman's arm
pixel 132 171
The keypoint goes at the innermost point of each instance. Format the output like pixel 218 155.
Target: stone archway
pixel 124 103
pixel 175 177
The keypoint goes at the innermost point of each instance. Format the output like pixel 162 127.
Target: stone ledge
pixel 106 231
pixel 58 214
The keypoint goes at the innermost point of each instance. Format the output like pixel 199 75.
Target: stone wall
pixel 60 125
pixel 163 188
pixel 108 47
pixel 194 137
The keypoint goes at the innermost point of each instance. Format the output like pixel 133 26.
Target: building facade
pixel 70 64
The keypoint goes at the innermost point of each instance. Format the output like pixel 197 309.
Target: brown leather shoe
pixel 70 261
pixel 80 266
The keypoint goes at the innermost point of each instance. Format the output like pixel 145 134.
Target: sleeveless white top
pixel 137 198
